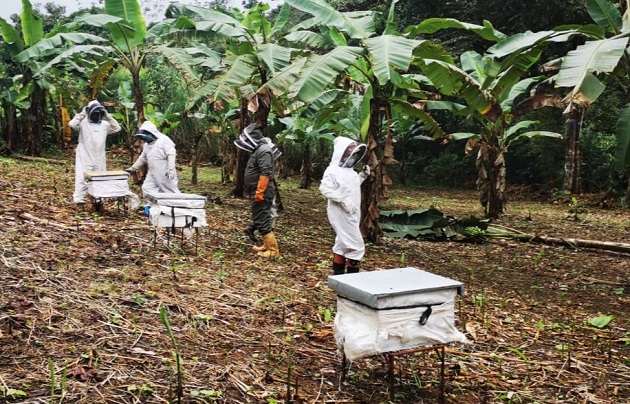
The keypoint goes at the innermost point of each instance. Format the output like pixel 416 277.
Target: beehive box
pixel 394 309
pixel 177 210
pixel 107 184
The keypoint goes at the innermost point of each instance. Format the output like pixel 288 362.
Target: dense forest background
pixel 39 87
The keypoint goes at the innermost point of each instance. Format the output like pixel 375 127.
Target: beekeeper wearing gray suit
pixel 159 154
pixel 260 185
pixel 90 153
pixel 341 185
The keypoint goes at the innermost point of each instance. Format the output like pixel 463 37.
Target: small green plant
pixel 176 355
pixel 575 208
pixel 13 393
pixel 600 321
pixel 139 299
pixel 475 234
pixel 618 291
pixel 326 312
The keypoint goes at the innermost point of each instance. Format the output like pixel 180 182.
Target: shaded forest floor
pixel 80 299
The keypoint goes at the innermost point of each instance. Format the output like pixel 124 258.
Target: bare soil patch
pixel 80 299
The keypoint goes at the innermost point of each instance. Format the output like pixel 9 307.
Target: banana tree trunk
pixel 371 187
pixel 572 175
pixel 238 191
pixel 305 182
pixel 137 95
pixel 491 180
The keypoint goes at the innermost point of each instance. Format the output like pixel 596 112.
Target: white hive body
pixel 107 184
pixel 177 210
pixel 392 310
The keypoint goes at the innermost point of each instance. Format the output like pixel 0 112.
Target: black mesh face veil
pixel 96 113
pixel 352 155
pixel 146 135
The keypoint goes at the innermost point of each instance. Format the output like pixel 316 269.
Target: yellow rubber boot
pixel 272 246
pixel 261 248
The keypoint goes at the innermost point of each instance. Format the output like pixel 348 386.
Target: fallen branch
pixel 41 160
pixel 506 232
pixel 45 222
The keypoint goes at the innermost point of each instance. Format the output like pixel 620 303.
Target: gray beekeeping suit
pixel 260 164
pixel 90 152
pixel 341 185
pixel 159 154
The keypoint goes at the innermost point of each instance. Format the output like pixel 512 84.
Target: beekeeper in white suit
pixel 158 153
pixel 341 185
pixel 90 153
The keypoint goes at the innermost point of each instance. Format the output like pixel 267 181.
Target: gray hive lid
pixel 397 287
pixel 105 175
pixel 173 196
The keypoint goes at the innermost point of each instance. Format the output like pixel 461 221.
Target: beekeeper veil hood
pixel 148 132
pixel 251 138
pixel 347 152
pixel 95 111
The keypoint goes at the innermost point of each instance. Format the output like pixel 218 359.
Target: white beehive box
pixel 177 210
pixel 107 184
pixel 394 309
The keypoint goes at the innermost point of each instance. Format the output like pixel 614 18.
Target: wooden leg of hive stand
pixel 196 240
pixel 390 374
pixel 441 354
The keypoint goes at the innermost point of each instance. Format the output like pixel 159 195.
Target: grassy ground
pixel 81 296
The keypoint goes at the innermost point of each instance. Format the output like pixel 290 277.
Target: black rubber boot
pixel 339 265
pixel 353 267
pixel 249 231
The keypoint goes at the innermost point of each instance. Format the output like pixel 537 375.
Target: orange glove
pixel 260 190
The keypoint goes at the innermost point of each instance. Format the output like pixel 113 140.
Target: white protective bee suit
pixel 90 152
pixel 158 153
pixel 341 185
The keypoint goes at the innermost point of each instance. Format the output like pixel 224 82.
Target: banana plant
pixel 485 91
pixel 376 66
pixel 127 33
pixel 253 54
pixel 583 70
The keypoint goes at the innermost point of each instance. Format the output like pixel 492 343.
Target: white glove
pixel 170 174
pixel 170 171
pixel 349 207
pixel 365 172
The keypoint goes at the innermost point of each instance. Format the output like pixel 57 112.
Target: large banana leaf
pixel 52 45
pixel 307 38
pixel 428 224
pixel 322 70
pixel 210 20
pixel 326 15
pixel 66 56
pixel 507 98
pixel 450 79
pixel 32 25
pixel 12 37
pixel 183 60
pixel 281 82
pixel 275 57
pixel 409 110
pixel 513 68
pixel 622 152
pixel 605 14
pixel 130 11
pixel 432 25
pixel 388 52
pixel 475 65
pixel 519 42
pixel 241 70
pixel 579 66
